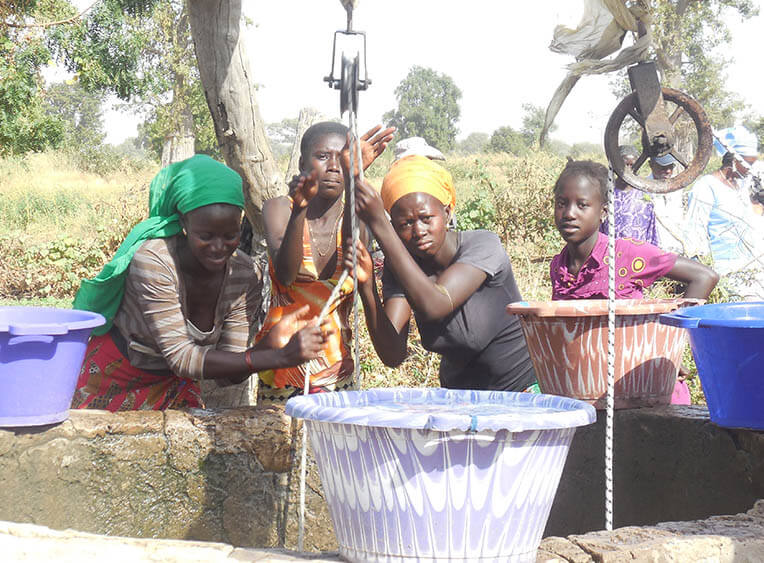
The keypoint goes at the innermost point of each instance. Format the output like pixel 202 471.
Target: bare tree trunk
pixel 307 117
pixel 180 144
pixel 226 78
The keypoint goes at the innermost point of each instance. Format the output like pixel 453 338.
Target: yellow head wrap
pixel 417 174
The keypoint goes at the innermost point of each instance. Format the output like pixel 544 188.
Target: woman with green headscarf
pixel 178 298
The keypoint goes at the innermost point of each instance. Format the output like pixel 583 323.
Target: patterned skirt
pixel 271 395
pixel 108 381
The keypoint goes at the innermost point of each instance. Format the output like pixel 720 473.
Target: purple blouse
pixel 634 217
pixel 637 265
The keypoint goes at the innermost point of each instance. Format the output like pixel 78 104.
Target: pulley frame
pixel 349 82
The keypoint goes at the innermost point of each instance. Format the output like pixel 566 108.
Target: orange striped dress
pixel 333 369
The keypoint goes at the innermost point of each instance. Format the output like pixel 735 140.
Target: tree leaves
pixel 428 106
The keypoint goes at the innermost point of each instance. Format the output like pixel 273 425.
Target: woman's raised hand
pixel 373 143
pixel 365 264
pixel 303 188
pixel 368 203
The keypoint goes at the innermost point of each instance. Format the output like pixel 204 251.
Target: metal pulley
pixel 350 82
pixel 647 106
pixel 349 85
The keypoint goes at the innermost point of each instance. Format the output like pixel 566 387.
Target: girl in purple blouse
pixel 580 271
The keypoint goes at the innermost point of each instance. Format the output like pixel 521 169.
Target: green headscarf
pixel 178 188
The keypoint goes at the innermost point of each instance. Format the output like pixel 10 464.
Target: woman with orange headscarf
pixel 455 283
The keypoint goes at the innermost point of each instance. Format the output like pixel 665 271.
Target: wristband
pixel 248 359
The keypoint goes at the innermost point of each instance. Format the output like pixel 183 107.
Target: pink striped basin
pixel 567 341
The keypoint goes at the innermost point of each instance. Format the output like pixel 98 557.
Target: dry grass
pixel 59 225
pixel 43 196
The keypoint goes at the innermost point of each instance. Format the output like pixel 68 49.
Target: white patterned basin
pixel 437 474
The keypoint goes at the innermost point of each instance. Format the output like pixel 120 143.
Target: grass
pixel 57 302
pixel 43 195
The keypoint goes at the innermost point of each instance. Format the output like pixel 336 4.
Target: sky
pixel 495 51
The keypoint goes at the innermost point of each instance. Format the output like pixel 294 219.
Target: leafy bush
pixel 512 196
pixel 505 139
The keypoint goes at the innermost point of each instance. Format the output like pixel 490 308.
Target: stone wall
pixel 203 475
pixel 226 476
pixel 670 463
pixel 738 538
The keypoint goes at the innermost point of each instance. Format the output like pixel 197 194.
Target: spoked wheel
pixel 681 109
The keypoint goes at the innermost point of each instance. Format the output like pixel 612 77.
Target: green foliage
pixel 61 264
pixel 162 120
pixel 519 201
pixel 18 211
pixel 533 124
pixel 105 160
pixel 80 111
pixel 63 227
pixel 428 106
pixel 142 51
pixel 687 42
pixel 584 150
pixel 24 124
pixel 474 143
pixel 506 139
pixel 509 140
pixel 755 124
pixel 478 211
pixel 111 49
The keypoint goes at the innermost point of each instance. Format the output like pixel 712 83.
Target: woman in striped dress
pixel 178 299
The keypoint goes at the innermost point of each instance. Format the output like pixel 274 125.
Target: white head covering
pixel 737 139
pixel 417 146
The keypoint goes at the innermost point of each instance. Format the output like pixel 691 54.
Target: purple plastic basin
pixel 41 352
pixel 439 474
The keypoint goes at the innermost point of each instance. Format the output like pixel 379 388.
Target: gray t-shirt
pixel 482 347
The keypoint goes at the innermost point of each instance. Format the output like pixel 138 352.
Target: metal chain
pixel 610 405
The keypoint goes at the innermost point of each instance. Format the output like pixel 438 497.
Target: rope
pixel 355 156
pixel 355 147
pixel 610 405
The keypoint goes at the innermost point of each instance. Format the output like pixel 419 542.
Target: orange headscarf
pixel 417 174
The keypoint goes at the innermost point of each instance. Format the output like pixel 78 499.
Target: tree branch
pixel 51 24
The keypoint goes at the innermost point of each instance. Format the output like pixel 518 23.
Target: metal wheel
pixel 685 107
pixel 349 85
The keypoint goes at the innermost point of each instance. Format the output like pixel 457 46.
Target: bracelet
pixel 444 291
pixel 248 359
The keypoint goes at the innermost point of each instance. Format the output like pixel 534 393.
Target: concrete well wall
pixel 227 476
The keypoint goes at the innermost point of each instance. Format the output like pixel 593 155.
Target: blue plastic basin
pixel 727 342
pixel 41 352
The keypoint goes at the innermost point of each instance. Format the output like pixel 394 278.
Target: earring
pixel 185 234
